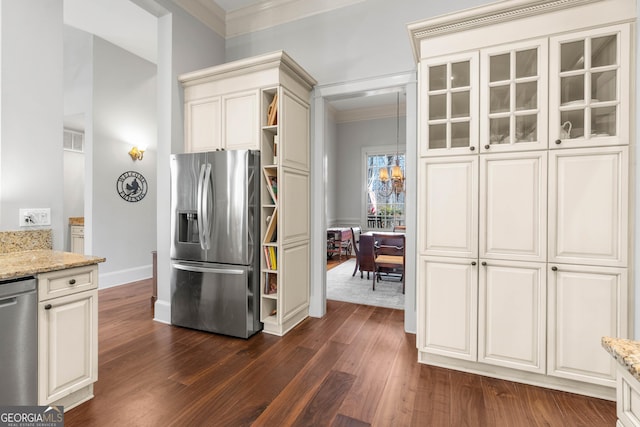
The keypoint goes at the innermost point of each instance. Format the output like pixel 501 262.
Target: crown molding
pixel 276 12
pixel 207 12
pixel 491 14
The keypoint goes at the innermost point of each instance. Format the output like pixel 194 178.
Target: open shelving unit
pixel 269 151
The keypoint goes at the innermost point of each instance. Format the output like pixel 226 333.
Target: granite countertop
pixel 626 352
pixel 76 220
pixel 29 263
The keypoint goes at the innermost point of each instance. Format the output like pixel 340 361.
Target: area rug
pixel 341 286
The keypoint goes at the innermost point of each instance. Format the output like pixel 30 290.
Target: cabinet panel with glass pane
pixel 589 80
pixel 513 93
pixel 450 105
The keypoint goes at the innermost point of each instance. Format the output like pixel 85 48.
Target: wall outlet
pixel 34 217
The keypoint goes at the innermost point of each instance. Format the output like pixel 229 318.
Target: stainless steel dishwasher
pixel 18 342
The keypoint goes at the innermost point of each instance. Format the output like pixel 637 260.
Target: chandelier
pixel 395 183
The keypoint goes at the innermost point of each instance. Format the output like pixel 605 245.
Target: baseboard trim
pixel 122 277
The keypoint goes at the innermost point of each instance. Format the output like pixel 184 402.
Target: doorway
pixel 324 131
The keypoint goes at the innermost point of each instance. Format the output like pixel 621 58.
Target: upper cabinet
pixel 514 97
pixel 589 88
pixel 450 105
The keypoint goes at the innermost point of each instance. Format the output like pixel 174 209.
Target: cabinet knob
pixel 558 141
pixel 473 263
pixel 554 268
pixel 487 146
pixel 72 281
pixel 472 148
pixel 47 307
pixel 484 262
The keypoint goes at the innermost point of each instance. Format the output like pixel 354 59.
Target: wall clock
pixel 132 186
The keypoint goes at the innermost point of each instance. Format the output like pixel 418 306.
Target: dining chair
pixel 389 256
pixel 355 241
pixel 365 254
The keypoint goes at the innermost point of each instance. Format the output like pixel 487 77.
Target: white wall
pixel 124 115
pixel 184 44
pixel 31 160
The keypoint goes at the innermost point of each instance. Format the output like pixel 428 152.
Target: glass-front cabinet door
pixel 513 97
pixel 450 105
pixel 589 87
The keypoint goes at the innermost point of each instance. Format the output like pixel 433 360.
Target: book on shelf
pixel 272 111
pixel 270 283
pixel 270 257
pixel 273 181
pixel 276 141
pixel 271 235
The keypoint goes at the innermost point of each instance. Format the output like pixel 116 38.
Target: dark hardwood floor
pixel 354 367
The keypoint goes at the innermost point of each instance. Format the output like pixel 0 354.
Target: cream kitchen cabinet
pixel 77 239
pixel 483 287
pixel 240 122
pixel 203 130
pixel 589 88
pixel 450 105
pixel 450 222
pixel 447 298
pixel 588 205
pixel 67 335
pixel 216 119
pixel 527 203
pixel 513 206
pixel 586 303
pixel 512 314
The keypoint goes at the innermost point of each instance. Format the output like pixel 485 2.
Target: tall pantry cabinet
pixel 262 103
pixel 523 190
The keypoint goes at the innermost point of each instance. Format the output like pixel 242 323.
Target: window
pixel 73 140
pixel 384 203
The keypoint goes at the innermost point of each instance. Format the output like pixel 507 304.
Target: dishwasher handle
pixel 8 302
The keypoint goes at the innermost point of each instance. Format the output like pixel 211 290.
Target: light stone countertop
pixel 76 220
pixel 30 263
pixel 626 352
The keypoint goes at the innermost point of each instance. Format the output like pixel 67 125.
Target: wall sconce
pixel 136 153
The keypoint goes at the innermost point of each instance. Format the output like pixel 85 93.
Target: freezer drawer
pixel 215 298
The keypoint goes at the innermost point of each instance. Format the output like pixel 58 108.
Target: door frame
pixel 322 95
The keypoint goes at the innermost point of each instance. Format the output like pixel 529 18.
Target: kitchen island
pixel 627 353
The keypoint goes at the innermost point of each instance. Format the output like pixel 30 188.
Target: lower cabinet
pixel 627 399
pixel 512 315
pixel 67 337
pixel 77 239
pixel 585 304
pixel 448 307
pixel 512 318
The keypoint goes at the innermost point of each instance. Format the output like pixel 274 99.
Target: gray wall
pixel 352 138
pixel 364 40
pixel 124 115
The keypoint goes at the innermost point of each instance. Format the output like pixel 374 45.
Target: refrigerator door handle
pixel 199 269
pixel 202 221
pixel 206 194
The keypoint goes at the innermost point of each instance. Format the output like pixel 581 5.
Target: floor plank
pixel 354 367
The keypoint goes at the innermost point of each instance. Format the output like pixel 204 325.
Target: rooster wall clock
pixel 132 186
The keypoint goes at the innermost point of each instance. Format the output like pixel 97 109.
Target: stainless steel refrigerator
pixel 215 245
